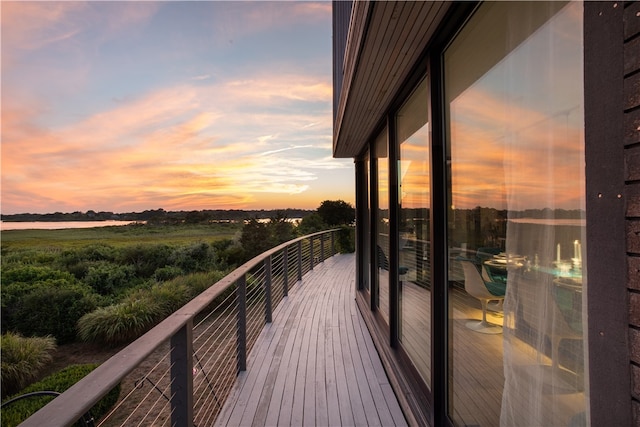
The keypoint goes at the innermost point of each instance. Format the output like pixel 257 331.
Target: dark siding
pixel 341 18
pixel 609 92
pixel 632 189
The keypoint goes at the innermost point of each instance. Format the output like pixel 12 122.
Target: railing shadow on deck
pixel 180 372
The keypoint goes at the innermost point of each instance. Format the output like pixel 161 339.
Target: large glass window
pixel 414 244
pixel 516 220
pixel 382 223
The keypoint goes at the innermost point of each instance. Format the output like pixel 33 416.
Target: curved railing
pixel 181 371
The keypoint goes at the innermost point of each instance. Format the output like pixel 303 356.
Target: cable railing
pixel 180 372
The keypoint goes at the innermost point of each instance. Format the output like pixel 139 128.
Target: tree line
pixel 159 216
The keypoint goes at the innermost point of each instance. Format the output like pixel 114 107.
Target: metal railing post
pixel 242 323
pixel 322 248
pixel 311 252
pixel 267 289
pixel 299 260
pixel 285 270
pixel 182 376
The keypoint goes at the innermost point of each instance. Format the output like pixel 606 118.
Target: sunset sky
pixel 127 106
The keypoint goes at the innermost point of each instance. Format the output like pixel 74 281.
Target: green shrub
pixel 228 253
pixel 50 307
pixel 97 252
pixel 22 359
pixel 194 258
pixel 16 412
pixel 78 261
pixel 106 278
pixel 163 274
pixel 346 240
pixel 39 256
pixel 120 323
pixel 145 259
pixel 28 274
pixel 80 270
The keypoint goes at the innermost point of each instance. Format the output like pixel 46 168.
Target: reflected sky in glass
pixel 521 125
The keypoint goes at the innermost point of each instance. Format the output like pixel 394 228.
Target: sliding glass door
pixel 516 216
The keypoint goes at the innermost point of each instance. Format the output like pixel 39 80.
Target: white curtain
pixel 544 341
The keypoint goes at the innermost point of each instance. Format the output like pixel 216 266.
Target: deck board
pixel 316 363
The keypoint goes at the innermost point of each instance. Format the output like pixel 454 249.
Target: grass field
pixel 117 236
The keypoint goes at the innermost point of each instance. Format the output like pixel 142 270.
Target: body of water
pixel 58 225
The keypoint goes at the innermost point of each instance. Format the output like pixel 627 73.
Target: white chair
pixel 475 286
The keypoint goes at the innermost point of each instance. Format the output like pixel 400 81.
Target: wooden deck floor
pixel 315 364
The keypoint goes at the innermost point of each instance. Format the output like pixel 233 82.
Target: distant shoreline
pixel 158 216
pixel 60 225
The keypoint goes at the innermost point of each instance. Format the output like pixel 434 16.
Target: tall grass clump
pixel 18 411
pixel 119 323
pixel 23 359
pixel 199 282
pixel 142 309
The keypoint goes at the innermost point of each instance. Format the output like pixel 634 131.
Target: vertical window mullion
pixel 394 309
pixel 373 220
pixel 438 213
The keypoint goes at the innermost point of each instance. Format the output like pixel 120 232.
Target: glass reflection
pixel 414 250
pixel 382 223
pixel 516 221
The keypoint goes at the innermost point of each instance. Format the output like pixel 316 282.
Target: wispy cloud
pixel 171 145
pixel 185 137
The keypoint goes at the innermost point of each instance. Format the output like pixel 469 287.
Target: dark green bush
pixel 93 252
pixel 106 278
pixel 50 307
pixel 229 254
pixel 169 272
pixel 256 238
pixel 194 258
pixel 346 239
pixel 311 223
pixel 97 252
pixel 29 273
pixel 80 269
pixel 14 413
pixel 145 259
pixel 78 261
pixel 22 360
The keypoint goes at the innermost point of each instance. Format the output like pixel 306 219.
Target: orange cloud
pixel 170 147
pixel 514 155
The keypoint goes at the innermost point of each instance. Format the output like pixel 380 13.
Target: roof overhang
pixel 385 41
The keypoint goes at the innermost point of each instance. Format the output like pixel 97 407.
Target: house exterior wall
pixel 612 152
pixel 631 142
pixel 341 18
